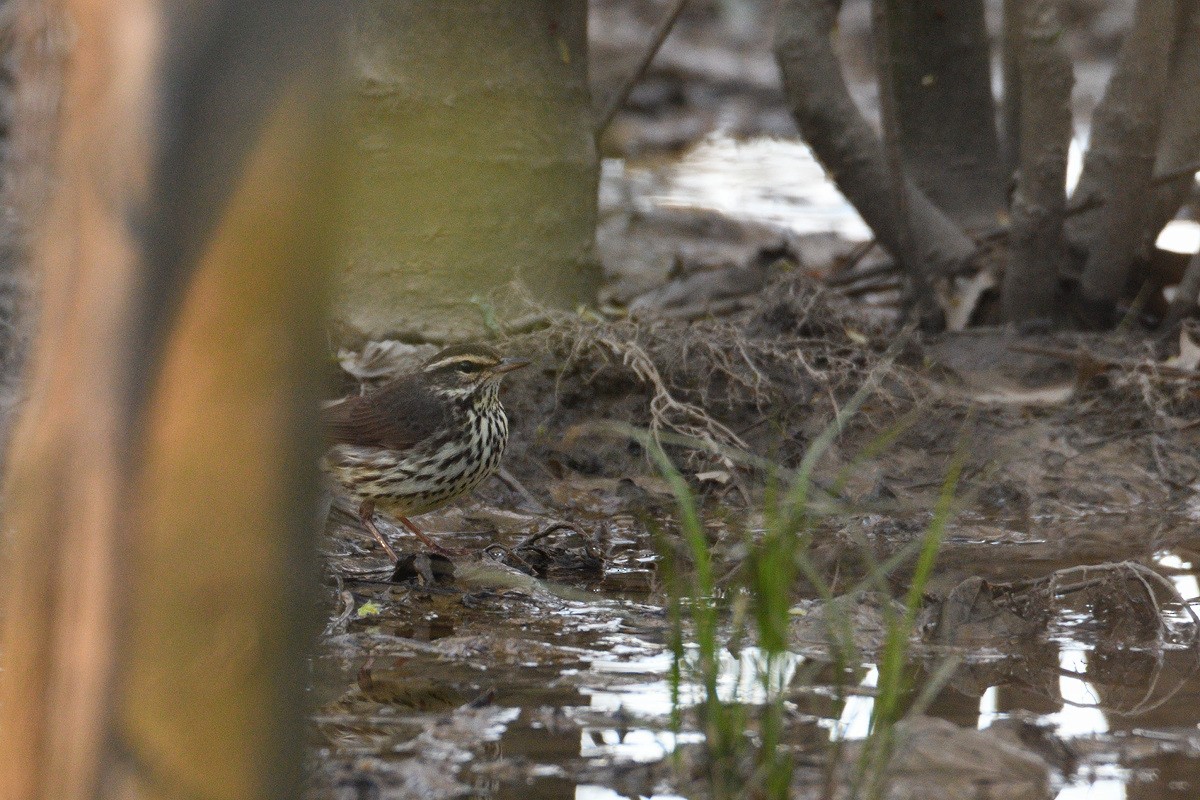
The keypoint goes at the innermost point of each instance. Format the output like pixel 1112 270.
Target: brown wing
pixel 397 416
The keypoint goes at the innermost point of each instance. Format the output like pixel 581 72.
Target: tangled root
pixel 715 379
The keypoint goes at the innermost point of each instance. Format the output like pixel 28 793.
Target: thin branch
pixel 860 251
pixel 1188 170
pixel 850 278
pixel 622 94
pixel 510 480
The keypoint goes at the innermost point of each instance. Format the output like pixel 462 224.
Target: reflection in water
pixel 779 181
pixel 651 699
pixel 740 679
pixel 1180 236
pixel 1078 690
pixel 1128 711
pixel 1099 789
pixel 988 708
pixel 1185 579
pixel 855 719
pixel 636 744
pixel 1080 716
pixel 762 180
pixel 592 792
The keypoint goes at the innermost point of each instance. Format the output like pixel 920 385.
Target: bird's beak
pixel 508 365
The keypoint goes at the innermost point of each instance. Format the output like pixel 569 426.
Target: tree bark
pixel 850 150
pixel 158 577
pixel 1179 141
pixel 1010 105
pixel 475 163
pixel 1120 159
pixel 36 38
pixel 1038 249
pixel 946 114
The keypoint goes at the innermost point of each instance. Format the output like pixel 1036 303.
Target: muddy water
pixel 501 687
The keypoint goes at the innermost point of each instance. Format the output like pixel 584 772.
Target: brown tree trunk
pixel 1038 249
pixel 157 576
pixel 1179 143
pixel 946 115
pixel 1120 159
pixel 1010 106
pixel 475 163
pixel 220 612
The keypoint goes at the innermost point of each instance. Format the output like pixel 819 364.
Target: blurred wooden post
pixel 158 581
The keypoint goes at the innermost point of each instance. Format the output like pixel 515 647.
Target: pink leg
pixel 424 537
pixel 366 513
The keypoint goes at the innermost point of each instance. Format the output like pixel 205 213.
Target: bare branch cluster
pixel 933 185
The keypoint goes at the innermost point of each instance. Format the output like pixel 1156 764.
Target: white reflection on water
pixel 855 719
pixel 988 708
pixel 1100 789
pixel 1186 584
pixel 636 744
pixel 1079 717
pixel 740 679
pixel 593 792
pixel 1180 236
pixel 779 181
pixel 761 180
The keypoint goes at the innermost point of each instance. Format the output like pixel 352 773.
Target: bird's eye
pixel 467 367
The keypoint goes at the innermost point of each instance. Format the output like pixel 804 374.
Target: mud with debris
pixel 540 666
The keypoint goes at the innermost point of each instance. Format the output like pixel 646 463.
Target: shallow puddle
pixel 465 691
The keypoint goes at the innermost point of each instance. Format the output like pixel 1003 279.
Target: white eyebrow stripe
pixel 483 361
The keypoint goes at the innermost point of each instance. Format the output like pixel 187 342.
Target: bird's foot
pixel 366 513
pixel 430 543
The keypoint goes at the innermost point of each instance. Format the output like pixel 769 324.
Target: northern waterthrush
pixel 423 439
